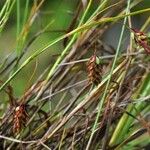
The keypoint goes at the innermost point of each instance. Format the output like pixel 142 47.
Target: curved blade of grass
pixel 99 9
pixel 136 138
pixel 81 28
pixel 26 11
pixel 130 108
pixel 18 17
pixel 125 122
pixel 56 64
pixel 107 85
pixel 6 10
pixel 146 24
pixel 69 44
pixel 85 100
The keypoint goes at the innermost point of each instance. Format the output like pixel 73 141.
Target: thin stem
pixel 107 85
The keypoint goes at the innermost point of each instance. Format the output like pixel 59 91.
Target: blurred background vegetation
pixel 59 13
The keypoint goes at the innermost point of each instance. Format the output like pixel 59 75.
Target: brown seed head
pixel 94 70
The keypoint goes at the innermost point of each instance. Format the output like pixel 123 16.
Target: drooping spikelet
pixel 20 118
pixel 142 40
pixel 94 70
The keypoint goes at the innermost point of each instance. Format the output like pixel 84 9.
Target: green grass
pixel 62 109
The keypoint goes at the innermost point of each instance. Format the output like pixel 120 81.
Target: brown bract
pixel 94 70
pixel 141 39
pixel 20 118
